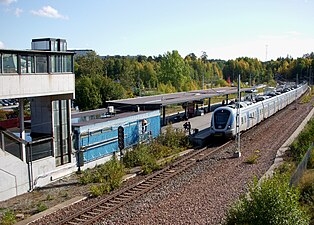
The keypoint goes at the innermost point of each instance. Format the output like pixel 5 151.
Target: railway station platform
pixel 200 128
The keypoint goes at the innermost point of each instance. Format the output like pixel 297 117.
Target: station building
pixel 52 141
pixel 43 76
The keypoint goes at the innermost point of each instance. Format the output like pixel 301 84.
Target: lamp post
pixel 237 153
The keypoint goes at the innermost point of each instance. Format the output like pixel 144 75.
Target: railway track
pixel 102 208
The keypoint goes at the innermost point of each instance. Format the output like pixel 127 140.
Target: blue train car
pixel 96 133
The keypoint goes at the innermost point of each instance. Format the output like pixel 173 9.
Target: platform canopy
pixel 157 101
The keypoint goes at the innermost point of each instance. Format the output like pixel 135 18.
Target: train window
pixel 241 120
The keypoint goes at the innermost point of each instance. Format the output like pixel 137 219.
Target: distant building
pixel 82 52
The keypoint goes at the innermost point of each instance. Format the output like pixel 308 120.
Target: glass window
pixel 41 64
pixel 58 64
pixel 67 63
pixel 53 46
pixel 40 45
pixel 27 64
pixel 53 64
pixel 9 63
pixel 61 132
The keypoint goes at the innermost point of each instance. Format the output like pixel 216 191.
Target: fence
pixel 36 149
pixel 301 167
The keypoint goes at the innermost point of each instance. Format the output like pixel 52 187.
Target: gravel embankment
pixel 203 194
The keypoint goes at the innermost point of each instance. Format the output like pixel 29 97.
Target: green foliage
pixel 146 156
pixel 8 218
pixel 3 115
pixel 49 197
pixel 100 189
pixel 110 174
pixel 88 95
pixel 307 192
pixel 173 138
pixel 89 64
pixel 299 147
pixel 271 202
pixel 252 159
pixel 173 69
pixel 140 156
pixel 286 168
pixel 40 207
pixel 115 77
pixel 310 163
pixel 166 88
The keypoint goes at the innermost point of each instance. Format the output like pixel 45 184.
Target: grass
pixel 252 159
pixel 8 218
pixel 40 207
pixel 306 186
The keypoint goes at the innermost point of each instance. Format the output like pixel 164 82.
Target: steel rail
pixel 96 211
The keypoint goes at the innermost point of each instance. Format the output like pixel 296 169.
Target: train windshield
pixel 221 118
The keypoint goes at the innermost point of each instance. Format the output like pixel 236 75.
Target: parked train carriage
pixel 224 118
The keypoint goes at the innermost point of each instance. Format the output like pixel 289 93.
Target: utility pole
pixel 203 80
pixel 237 153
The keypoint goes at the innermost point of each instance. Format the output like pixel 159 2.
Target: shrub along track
pixel 202 193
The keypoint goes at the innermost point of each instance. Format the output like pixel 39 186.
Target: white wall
pixel 22 86
pixel 14 175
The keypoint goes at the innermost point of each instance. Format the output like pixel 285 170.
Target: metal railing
pixel 295 178
pixel 34 150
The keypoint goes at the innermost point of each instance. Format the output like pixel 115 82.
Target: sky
pixel 224 29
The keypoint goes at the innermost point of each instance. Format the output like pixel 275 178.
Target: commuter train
pixel 223 122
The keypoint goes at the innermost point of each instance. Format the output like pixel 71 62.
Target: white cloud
pixel 1 44
pixel 48 11
pixel 18 12
pixel 7 2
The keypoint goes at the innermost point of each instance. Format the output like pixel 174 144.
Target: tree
pixel 88 96
pixel 89 64
pixel 272 202
pixel 173 69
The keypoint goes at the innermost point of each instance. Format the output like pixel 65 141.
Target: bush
pixel 299 147
pixel 114 173
pixel 146 155
pixel 98 190
pixel 273 202
pixel 8 218
pixel 141 156
pixel 252 159
pixel 41 207
pixel 310 163
pixel 3 115
pixel 110 173
pixel 307 192
pixel 175 139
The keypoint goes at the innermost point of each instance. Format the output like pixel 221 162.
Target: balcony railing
pixel 34 150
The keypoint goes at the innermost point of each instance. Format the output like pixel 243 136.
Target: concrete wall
pixel 22 86
pixel 14 174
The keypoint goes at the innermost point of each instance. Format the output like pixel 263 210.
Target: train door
pixel 248 120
